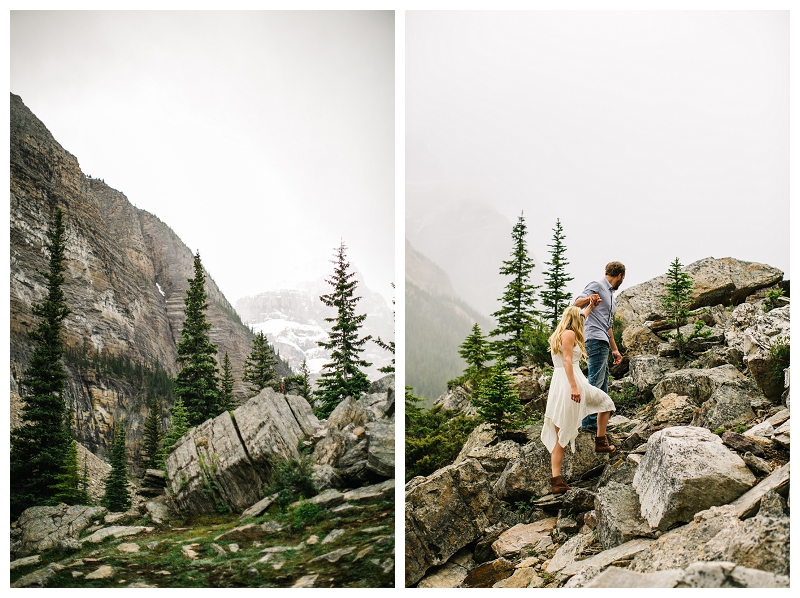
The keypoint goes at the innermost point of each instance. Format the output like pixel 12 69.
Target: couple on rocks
pixel 574 401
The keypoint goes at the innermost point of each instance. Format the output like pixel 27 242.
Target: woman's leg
pixel 602 422
pixel 556 457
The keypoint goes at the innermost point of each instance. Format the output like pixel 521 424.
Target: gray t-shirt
pixel 600 319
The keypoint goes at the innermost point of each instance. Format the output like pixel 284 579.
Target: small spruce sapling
pixel 498 402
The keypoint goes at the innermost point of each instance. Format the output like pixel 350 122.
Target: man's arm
pixel 584 298
pixel 614 351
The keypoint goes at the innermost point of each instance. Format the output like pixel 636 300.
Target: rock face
pixel 225 461
pixel 125 281
pixel 686 470
pixel 619 516
pixel 41 528
pixel 444 513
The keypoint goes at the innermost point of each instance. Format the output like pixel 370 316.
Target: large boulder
pixel 725 396
pixel 346 412
pixel 530 474
pixel 445 512
pixel 686 470
pixel 42 528
pixel 209 468
pixel 495 458
pixel 619 516
pixel 726 281
pixel 272 426
pixel 480 437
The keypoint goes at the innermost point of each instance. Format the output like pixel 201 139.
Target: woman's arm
pixel 568 344
pixel 593 301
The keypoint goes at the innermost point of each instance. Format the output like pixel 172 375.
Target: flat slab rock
pixel 747 504
pixel 713 574
pixel 486 575
pixel 522 536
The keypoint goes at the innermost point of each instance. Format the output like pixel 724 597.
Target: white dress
pixel 565 413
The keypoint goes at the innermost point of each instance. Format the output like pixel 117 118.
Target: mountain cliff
pixel 126 277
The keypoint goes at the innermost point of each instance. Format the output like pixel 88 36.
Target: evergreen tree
pixel 39 444
pixel 676 301
pixel 342 377
pixel 518 301
pixel 475 351
pixel 71 487
pixel 553 297
pixel 304 381
pixel 196 382
pixel 498 403
pixel 178 426
pixel 152 435
pixel 259 367
pixel 116 496
pixel 226 399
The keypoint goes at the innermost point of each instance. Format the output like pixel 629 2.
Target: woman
pixel 571 397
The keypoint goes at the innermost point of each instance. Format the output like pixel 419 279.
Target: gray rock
pixel 686 470
pixel 117 531
pixel 383 386
pixel 158 510
pixel 444 513
pixel 530 474
pixel 647 370
pixel 346 412
pixel 782 434
pixel 24 562
pixel 481 437
pixel 259 507
pixel 569 552
pixel 456 399
pixel 747 504
pixel 39 578
pixel 209 466
pixel 744 577
pixel 615 577
pixel 383 490
pixel 602 559
pixel 773 505
pixel 619 517
pixel 741 444
pixel 325 477
pixel 577 500
pixel 723 394
pixel 522 537
pixel 380 447
pixel 757 465
pixel 495 458
pixel 488 574
pixel 449 575
pixel 617 470
pixel 330 448
pixel 42 528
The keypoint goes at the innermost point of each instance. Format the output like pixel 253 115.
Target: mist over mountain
pixel 437 322
pixel 466 237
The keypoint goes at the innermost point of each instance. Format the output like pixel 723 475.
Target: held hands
pixel 575 394
pixel 595 300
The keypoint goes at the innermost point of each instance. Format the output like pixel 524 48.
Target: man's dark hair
pixel 615 269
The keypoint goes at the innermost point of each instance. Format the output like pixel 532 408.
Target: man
pixel 597 331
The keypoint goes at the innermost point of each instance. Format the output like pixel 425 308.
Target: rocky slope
pixel 126 276
pixel 696 496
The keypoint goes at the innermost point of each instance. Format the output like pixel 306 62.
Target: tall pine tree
pixel 39 444
pixel 117 497
pixel 342 377
pixel 553 297
pixel 259 367
pixel 226 399
pixel 152 435
pixel 518 310
pixel 71 487
pixel 196 382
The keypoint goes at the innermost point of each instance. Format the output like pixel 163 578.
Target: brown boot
pixel 601 445
pixel 558 485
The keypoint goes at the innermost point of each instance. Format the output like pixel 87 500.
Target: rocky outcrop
pixel 444 513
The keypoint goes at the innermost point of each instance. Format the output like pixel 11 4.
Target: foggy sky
pixel 651 135
pixel 261 138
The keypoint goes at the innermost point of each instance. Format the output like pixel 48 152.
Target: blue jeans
pixel 597 360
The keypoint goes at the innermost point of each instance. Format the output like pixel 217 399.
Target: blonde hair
pixel 571 320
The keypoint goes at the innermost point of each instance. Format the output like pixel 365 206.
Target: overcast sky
pixel 651 135
pixel 260 138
